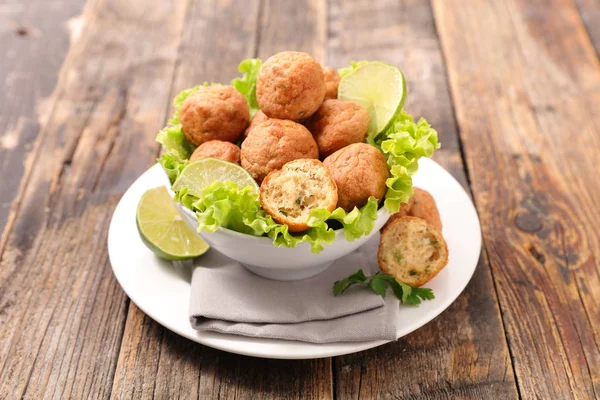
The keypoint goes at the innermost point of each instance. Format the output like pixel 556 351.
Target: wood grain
pixel 293 25
pixel 34 39
pixel 156 363
pixel 590 15
pixel 526 81
pixel 62 310
pixel 153 362
pixel 463 353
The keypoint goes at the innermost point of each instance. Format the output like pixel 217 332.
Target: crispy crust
pixel 332 80
pixel 215 112
pixel 273 143
pixel 226 151
pixel 337 124
pixel 290 85
pixel 421 205
pixel 257 119
pixel 397 224
pixel 359 171
pixel 273 211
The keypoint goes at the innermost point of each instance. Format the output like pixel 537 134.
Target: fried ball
pixel 359 171
pixel 420 205
pixel 273 143
pixel 332 80
pixel 290 85
pixel 291 193
pixel 215 112
pixel 257 119
pixel 412 251
pixel 337 124
pixel 225 151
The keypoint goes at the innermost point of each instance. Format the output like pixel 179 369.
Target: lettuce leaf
pixel 224 204
pixel 403 143
pixel 172 164
pixel 246 85
pixel 176 147
pixel 356 223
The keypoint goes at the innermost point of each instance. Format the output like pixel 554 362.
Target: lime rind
pixel 162 229
pixel 379 87
pixel 201 173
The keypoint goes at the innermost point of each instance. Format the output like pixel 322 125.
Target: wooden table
pixel 512 86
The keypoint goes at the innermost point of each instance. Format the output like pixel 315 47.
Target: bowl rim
pixel 381 212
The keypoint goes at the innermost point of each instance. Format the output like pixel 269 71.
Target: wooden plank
pixel 62 312
pixel 590 15
pixel 34 39
pixel 463 353
pixel 526 84
pixel 154 362
pixel 293 25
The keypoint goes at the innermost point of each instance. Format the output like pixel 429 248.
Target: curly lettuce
pixel 177 149
pixel 403 143
pixel 246 84
pixel 223 204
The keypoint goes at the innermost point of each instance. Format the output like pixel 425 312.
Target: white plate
pixel 162 290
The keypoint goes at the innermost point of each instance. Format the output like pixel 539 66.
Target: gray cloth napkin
pixel 227 298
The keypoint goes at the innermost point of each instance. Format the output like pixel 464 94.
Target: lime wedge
pixel 201 173
pixel 163 231
pixel 378 87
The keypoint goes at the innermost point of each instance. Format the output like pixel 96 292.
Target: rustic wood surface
pixel 512 86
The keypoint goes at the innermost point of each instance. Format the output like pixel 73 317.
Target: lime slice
pixel 378 87
pixel 162 229
pixel 199 174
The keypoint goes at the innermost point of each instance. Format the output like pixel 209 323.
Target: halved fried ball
pixel 412 251
pixel 291 193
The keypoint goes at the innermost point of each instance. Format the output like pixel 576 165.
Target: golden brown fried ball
pixel 420 205
pixel 291 193
pixel 412 251
pixel 225 151
pixel 359 171
pixel 215 112
pixel 257 119
pixel 332 80
pixel 337 124
pixel 290 85
pixel 273 143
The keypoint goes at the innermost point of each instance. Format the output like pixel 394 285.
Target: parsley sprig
pixel 379 283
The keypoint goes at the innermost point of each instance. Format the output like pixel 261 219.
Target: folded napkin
pixel 227 298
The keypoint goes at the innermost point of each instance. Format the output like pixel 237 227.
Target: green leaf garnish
pixel 379 283
pixel 246 84
pixel 340 286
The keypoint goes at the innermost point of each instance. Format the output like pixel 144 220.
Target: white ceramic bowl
pixel 260 256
